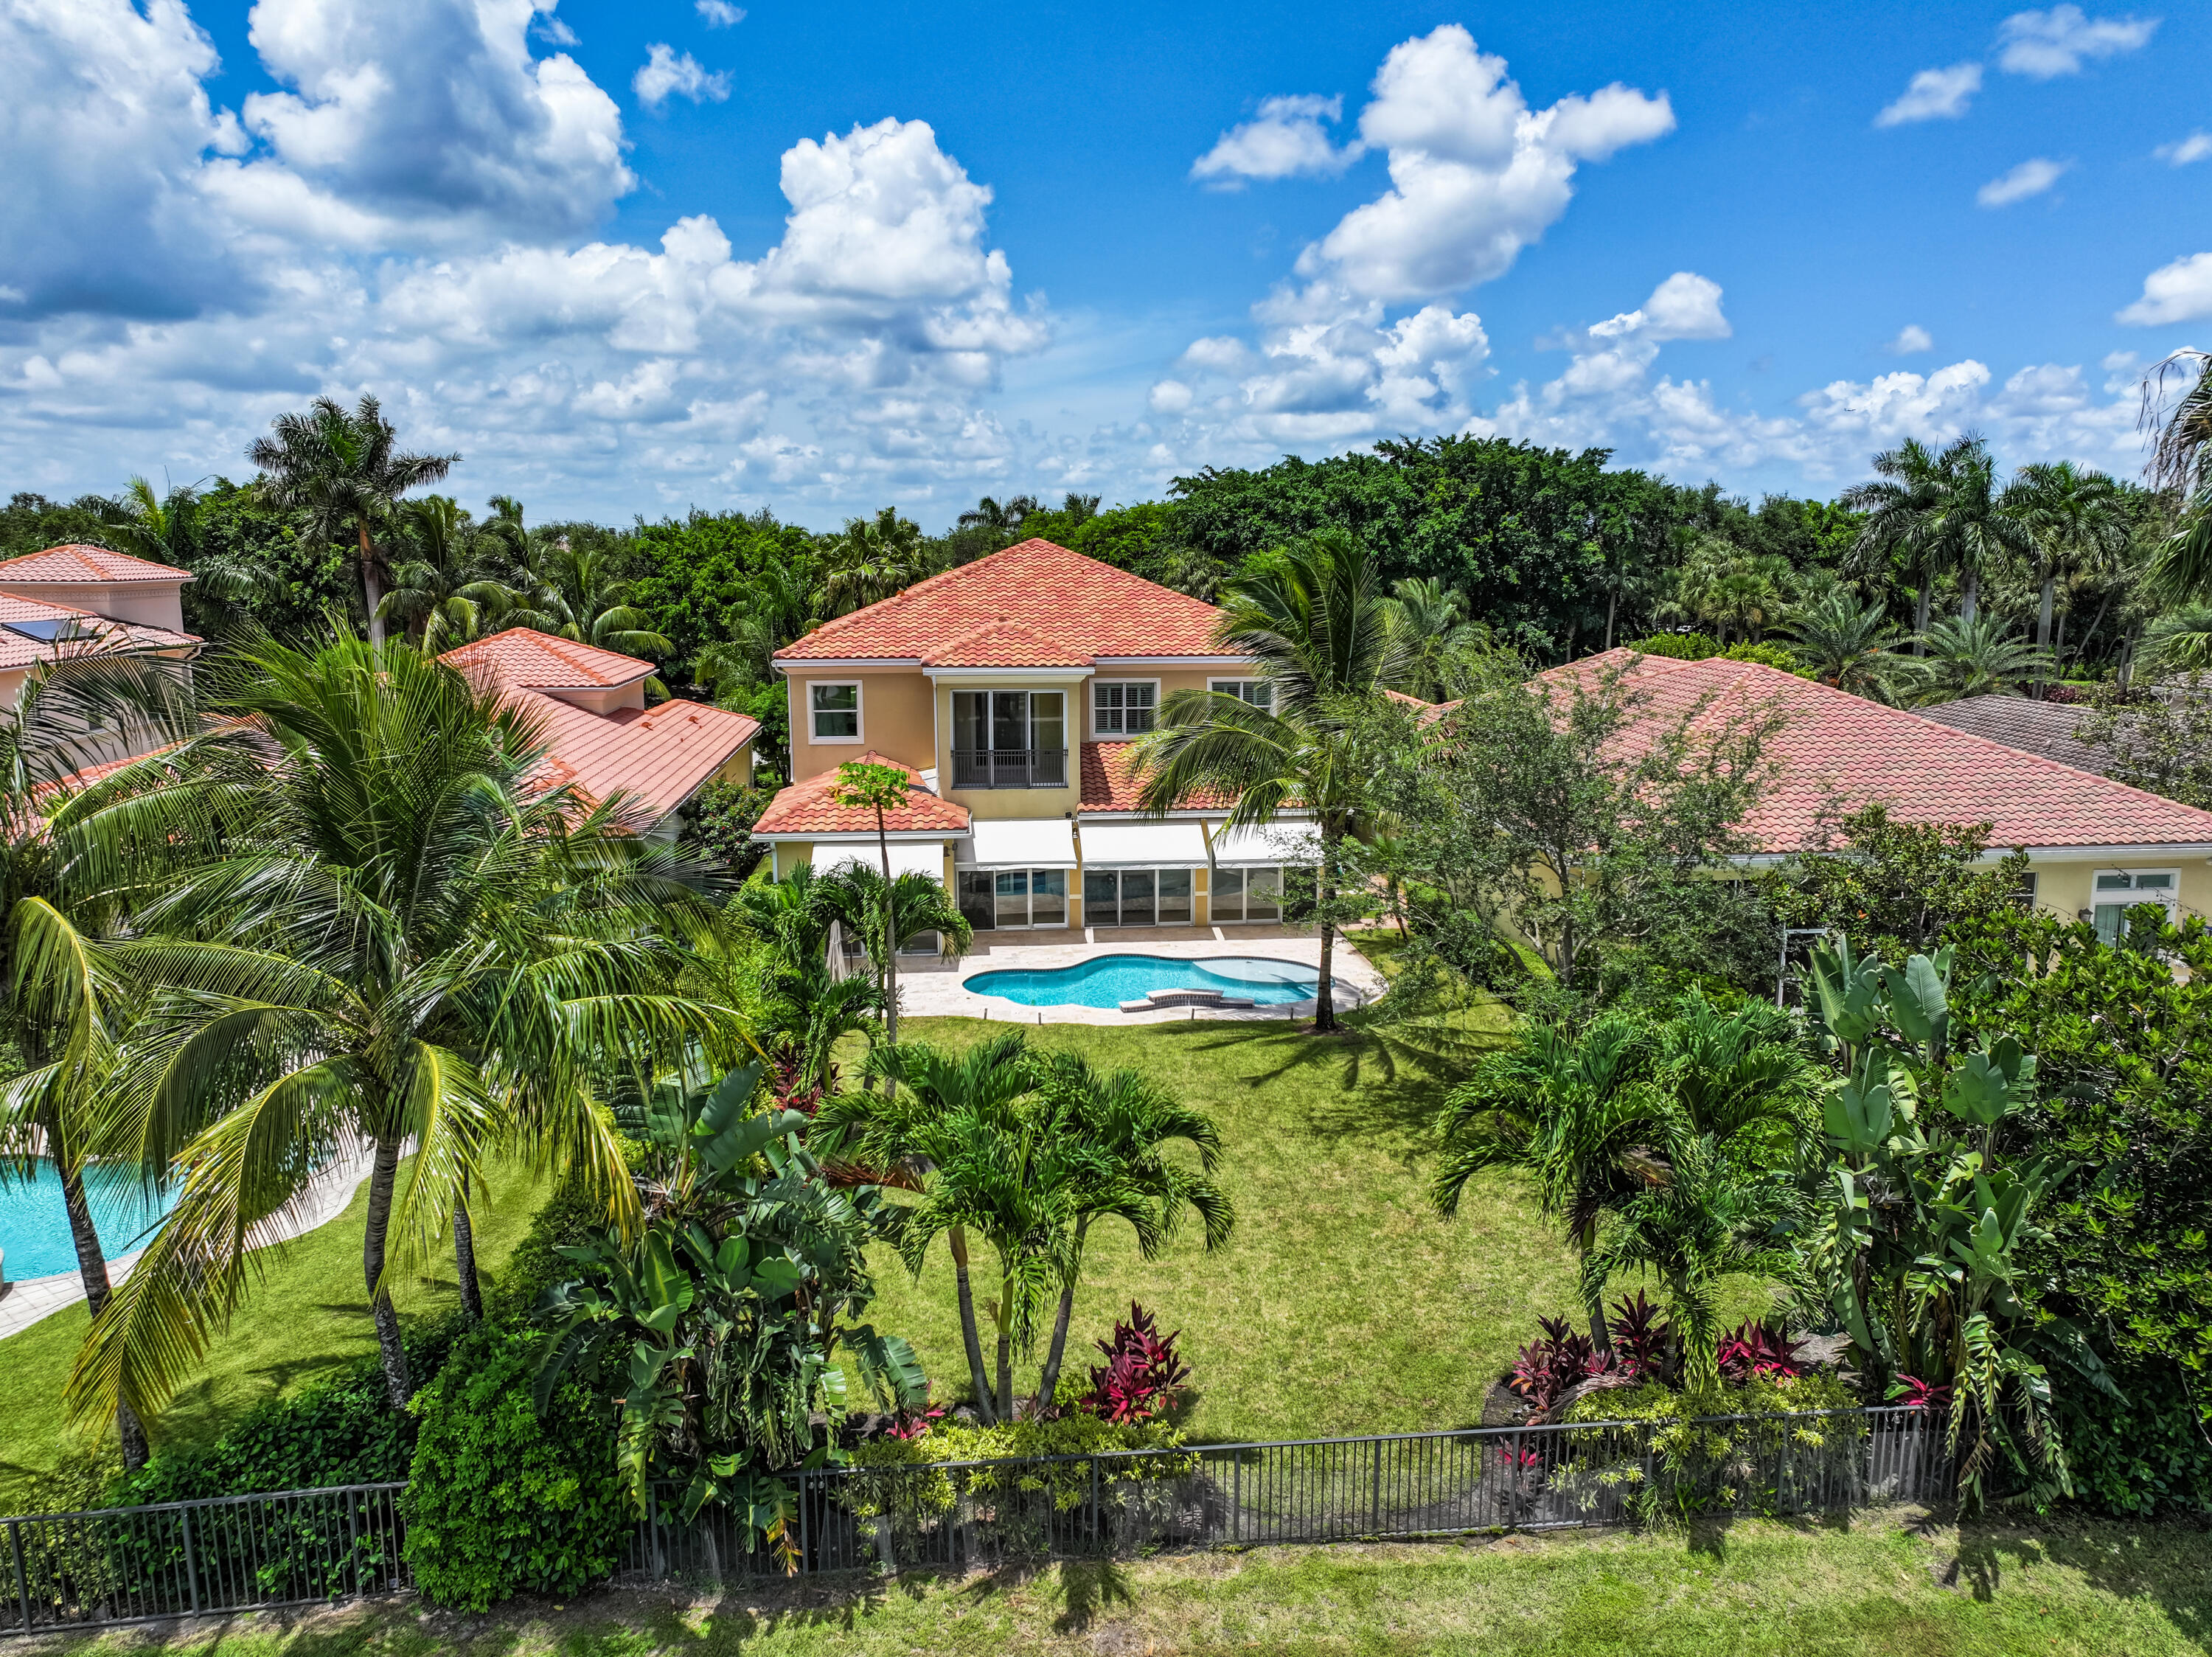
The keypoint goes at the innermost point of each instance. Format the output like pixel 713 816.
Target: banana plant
pixel 725 1319
pixel 1930 1217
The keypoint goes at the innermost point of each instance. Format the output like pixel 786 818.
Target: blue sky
pixel 822 257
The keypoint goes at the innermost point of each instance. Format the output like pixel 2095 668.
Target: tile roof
pixel 656 757
pixel 1840 752
pixel 1087 608
pixel 1004 644
pixel 1109 782
pixel 2019 721
pixel 95 633
pixel 524 656
pixel 806 808
pixel 77 564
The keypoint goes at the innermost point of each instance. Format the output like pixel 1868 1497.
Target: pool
pixel 34 1233
pixel 1109 980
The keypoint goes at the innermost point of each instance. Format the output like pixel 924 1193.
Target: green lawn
pixel 1882 1586
pixel 308 1317
pixel 1344 1304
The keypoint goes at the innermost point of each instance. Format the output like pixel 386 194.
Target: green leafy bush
pixel 1671 1465
pixel 934 1493
pixel 1677 646
pixel 503 1500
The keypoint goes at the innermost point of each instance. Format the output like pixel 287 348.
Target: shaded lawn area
pixel 1884 1585
pixel 309 1316
pixel 1343 1305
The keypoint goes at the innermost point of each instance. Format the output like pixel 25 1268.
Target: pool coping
pixel 936 988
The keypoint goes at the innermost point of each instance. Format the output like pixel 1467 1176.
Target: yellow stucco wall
pixel 1025 804
pixel 895 719
pixel 1169 682
pixel 2065 887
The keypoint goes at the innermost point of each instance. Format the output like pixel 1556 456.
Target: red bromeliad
pixel 1141 1375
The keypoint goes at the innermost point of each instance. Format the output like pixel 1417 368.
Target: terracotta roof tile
pixel 526 657
pixel 1109 782
pixel 1004 644
pixel 1086 607
pixel 656 757
pixel 93 633
pixel 77 564
pixel 1841 753
pixel 806 808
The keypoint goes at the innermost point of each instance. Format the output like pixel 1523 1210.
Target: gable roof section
pixel 1004 644
pixel 2019 721
pixel 1841 753
pixel 806 808
pixel 1109 783
pixel 95 633
pixel 1084 607
pixel 78 565
pixel 524 657
pixel 656 757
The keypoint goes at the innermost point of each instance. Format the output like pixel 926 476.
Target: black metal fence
pixel 249 1552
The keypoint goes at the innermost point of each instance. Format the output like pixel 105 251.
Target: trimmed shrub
pixel 1668 1465
pixel 502 1500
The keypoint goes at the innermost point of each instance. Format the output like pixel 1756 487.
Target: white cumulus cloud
pixel 2043 45
pixel 1288 139
pixel 669 73
pixel 2194 148
pixel 2031 178
pixel 1934 95
pixel 1911 340
pixel 2179 292
pixel 721 14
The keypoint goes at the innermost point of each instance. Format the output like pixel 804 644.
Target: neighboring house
pixel 2019 721
pixel 2095 846
pixel 602 740
pixel 74 600
pixel 1010 689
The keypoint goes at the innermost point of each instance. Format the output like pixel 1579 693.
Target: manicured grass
pixel 1882 1586
pixel 310 1315
pixel 1344 1304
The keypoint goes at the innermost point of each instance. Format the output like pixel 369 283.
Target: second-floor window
pixel 1123 707
pixel 1009 739
pixel 1257 691
pixel 835 712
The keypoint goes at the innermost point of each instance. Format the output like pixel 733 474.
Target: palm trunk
pixel 1920 619
pixel 1048 1382
pixel 465 1257
pixel 384 1175
pixel 92 1270
pixel 1612 605
pixel 369 589
pixel 891 952
pixel 970 1338
pixel 1325 1000
pixel 2043 616
pixel 1972 599
pixel 1006 1340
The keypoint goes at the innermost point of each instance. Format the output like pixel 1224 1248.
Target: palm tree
pixel 442 594
pixel 344 470
pixel 61 842
pixel 915 904
pixel 1316 625
pixel 167 529
pixel 872 559
pixel 1848 645
pixel 1723 587
pixel 924 1134
pixel 2179 642
pixel 2181 467
pixel 1004 519
pixel 2075 520
pixel 1190 571
pixel 1974 658
pixel 1442 647
pixel 1119 1124
pixel 1900 504
pixel 391 939
pixel 572 593
pixel 1947 513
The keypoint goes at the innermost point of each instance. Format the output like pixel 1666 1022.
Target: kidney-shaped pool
pixel 1109 980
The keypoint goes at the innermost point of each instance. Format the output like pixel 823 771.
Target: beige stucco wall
pixel 895 719
pixel 607 701
pixel 1170 681
pixel 2064 886
pixel 1014 803
pixel 150 604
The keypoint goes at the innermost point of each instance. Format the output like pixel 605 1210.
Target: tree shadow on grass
pixel 1088 1587
pixel 2162 1563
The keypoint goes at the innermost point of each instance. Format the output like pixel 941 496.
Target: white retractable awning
pixel 1039 842
pixel 908 858
pixel 1143 845
pixel 1268 842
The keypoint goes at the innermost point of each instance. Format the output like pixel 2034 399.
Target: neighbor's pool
pixel 34 1233
pixel 1109 980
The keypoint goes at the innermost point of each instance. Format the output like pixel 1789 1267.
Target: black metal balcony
pixel 1010 768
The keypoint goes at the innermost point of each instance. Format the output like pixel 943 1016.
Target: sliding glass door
pixel 1136 896
pixel 1009 899
pixel 1009 739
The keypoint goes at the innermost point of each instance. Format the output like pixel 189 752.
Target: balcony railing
pixel 1010 768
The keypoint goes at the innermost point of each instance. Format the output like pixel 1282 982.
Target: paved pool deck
pixel 936 988
pixel 22 1304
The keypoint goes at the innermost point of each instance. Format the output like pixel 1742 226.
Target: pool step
pixel 1194 997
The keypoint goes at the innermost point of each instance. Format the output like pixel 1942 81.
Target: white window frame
pixel 1155 870
pixel 1098 685
pixel 2169 900
pixel 859 711
pixel 1244 872
pixel 1233 687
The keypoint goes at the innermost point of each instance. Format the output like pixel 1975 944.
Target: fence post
pixel 191 1563
pixel 804 1532
pixel 1237 1503
pixel 23 1583
pixel 1375 1505
pixel 1094 1499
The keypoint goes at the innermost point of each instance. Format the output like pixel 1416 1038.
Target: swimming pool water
pixel 34 1233
pixel 1109 980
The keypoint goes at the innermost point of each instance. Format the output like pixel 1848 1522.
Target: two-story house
pixel 75 601
pixel 1010 689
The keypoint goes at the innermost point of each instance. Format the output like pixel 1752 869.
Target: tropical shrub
pixel 934 1489
pixel 1677 646
pixel 1141 1378
pixel 1545 1370
pixel 1752 1350
pixel 1753 1446
pixel 504 1497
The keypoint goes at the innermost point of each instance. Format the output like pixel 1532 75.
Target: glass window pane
pixel 1138 702
pixel 2113 882
pixel 1010 720
pixel 836 710
pixel 1106 709
pixel 1137 904
pixel 1175 897
pixel 1013 891
pixel 975 899
pixel 2161 882
pixel 2109 918
pixel 1101 906
pixel 1228 903
pixel 969 708
pixel 1263 894
pixel 1047 729
pixel 1048 897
